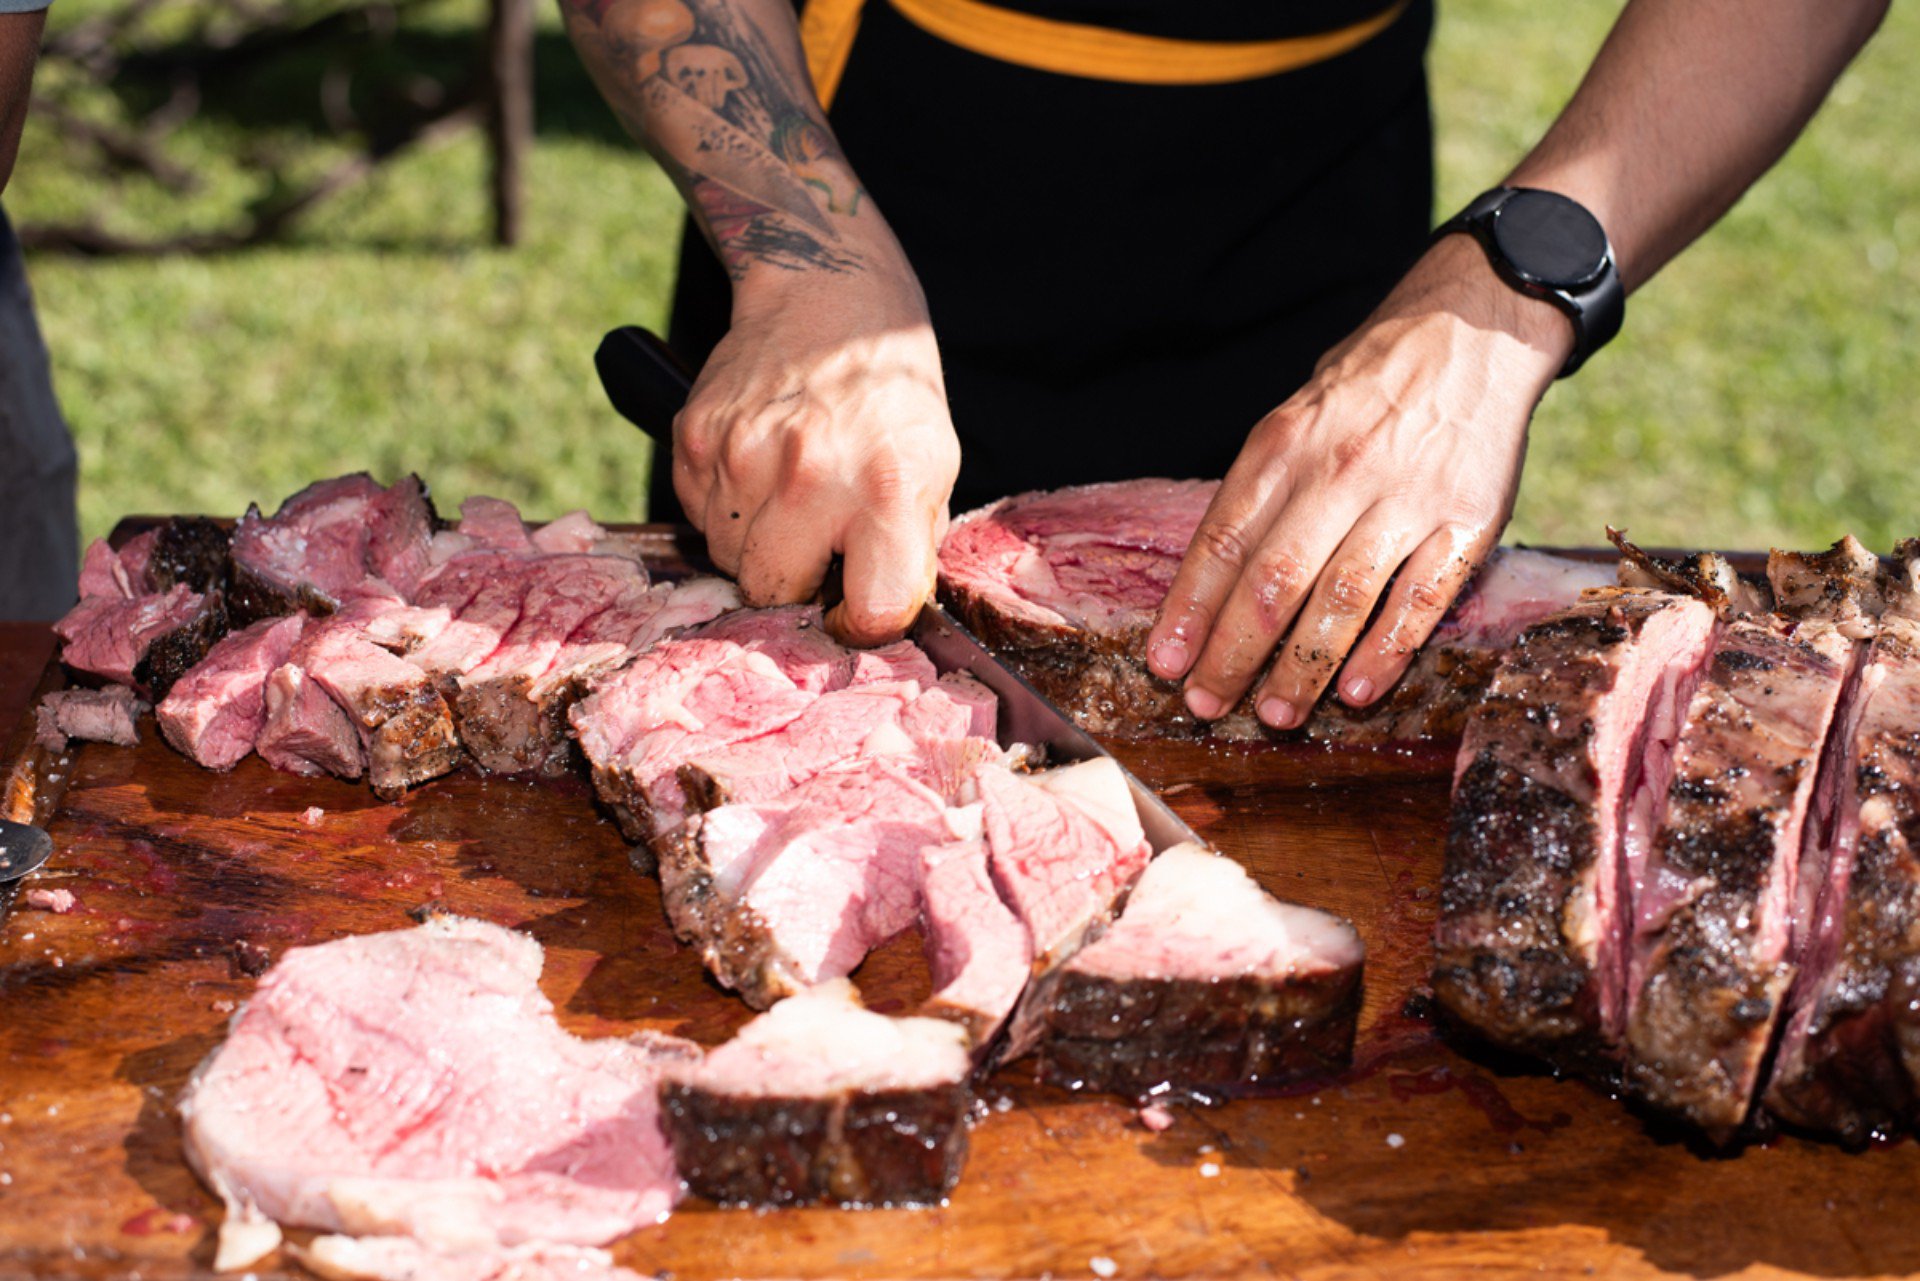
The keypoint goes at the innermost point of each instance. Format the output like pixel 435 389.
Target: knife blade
pixel 1026 716
pixel 648 383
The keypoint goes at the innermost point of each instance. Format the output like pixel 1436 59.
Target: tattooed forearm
pixel 717 90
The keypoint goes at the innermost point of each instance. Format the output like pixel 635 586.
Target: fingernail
pixel 1170 657
pixel 1204 704
pixel 1277 712
pixel 1359 690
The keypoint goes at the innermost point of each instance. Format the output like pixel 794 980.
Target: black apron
pixel 1124 278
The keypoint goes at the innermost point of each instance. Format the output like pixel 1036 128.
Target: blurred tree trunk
pixel 509 111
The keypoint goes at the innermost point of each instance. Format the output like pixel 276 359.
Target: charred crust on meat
pixel 1133 1037
pixel 171 656
pixel 874 1148
pixel 190 551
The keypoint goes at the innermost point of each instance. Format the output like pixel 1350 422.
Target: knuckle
pixel 1350 590
pixel 1224 542
pixel 1427 597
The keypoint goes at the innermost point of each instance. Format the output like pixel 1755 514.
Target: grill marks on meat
pixel 417 1083
pixel 216 711
pixel 821 1100
pixel 1713 911
pixel 1065 586
pixel 1206 984
pixel 1850 1058
pixel 1532 910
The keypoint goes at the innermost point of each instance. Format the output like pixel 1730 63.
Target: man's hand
pixel 820 426
pixel 1399 457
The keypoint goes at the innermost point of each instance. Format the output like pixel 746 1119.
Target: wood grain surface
pixel 1427 1159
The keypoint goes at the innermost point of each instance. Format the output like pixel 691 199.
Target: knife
pixel 648 384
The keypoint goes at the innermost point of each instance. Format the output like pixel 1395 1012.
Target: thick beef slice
pixel 794 638
pixel 494 524
pixel 404 725
pixel 1713 913
pixel 785 893
pixel 1556 765
pixel 307 553
pixel 417 1084
pixel 102 574
pixel 400 528
pixel 832 728
pixel 479 625
pixel 1849 1060
pixel 1063 845
pixel 145 641
pixel 821 1100
pixel 305 731
pixel 1205 984
pixel 345 1258
pixel 110 715
pixel 216 710
pixel 680 699
pixel 501 724
pixel 979 952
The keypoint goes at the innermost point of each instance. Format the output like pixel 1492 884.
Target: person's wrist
pixel 1458 268
pixel 878 283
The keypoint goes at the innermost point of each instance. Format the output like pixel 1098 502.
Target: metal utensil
pixel 24 849
pixel 648 385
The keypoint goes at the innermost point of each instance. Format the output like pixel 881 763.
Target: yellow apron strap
pixel 827 28
pixel 1101 53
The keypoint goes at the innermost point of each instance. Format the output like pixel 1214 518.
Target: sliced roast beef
pixel 480 623
pixel 405 728
pixel 501 724
pixel 1559 776
pixel 110 715
pixel 1713 909
pixel 214 712
pixel 1066 585
pixel 146 641
pixel 104 574
pixel 344 1258
pixel 1206 984
pixel 785 893
pixel 834 727
pixel 1849 1060
pixel 400 527
pixel 307 553
pixel 1064 844
pixel 821 1100
pixel 305 731
pixel 417 1084
pixel 979 952
pixel 741 676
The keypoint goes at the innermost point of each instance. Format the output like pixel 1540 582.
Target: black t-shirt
pixel 1123 278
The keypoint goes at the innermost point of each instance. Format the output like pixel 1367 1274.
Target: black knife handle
pixel 646 381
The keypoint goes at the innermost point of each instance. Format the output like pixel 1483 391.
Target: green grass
pixel 1761 394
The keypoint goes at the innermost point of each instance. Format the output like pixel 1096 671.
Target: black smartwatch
pixel 1551 248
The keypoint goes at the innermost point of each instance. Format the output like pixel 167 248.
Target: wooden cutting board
pixel 1423 1160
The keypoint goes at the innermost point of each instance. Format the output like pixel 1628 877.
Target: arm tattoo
pixel 725 106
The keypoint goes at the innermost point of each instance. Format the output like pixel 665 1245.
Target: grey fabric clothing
pixel 39 527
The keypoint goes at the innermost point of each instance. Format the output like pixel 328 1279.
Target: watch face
pixel 1550 239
